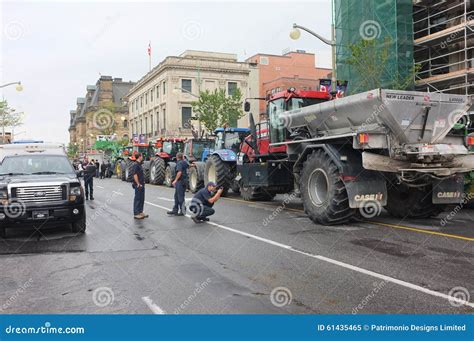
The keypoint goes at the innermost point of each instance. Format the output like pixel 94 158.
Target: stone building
pixel 160 102
pixel 102 112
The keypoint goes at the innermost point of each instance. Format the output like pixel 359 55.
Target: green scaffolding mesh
pixel 387 27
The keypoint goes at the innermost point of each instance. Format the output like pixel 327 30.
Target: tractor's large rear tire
pixel 146 171
pixel 196 176
pixel 129 170
pixel 409 202
pixel 219 172
pixel 324 195
pixel 170 174
pixel 123 166
pixel 157 171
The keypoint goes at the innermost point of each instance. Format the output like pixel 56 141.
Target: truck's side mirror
pixel 247 106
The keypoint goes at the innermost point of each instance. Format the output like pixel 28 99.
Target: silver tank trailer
pixel 413 117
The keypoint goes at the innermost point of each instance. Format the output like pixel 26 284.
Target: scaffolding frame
pixel 443 36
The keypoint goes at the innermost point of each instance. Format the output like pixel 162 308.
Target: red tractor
pixel 263 169
pixel 129 156
pixel 161 168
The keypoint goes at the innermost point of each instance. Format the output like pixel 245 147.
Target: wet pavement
pixel 253 257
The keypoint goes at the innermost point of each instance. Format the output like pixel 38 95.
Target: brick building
pixel 103 111
pixel 293 69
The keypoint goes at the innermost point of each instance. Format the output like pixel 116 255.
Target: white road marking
pixel 99 187
pixel 336 262
pixel 171 200
pixel 153 307
pixel 117 192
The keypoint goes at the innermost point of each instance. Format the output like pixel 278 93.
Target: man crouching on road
pixel 202 202
pixel 138 185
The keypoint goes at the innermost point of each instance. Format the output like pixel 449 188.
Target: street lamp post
pixel 296 33
pixel 19 87
pixel 175 90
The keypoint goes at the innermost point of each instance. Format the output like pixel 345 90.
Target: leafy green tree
pixel 370 59
pixel 72 150
pixel 216 109
pixel 9 118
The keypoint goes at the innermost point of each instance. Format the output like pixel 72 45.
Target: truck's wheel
pixel 122 170
pixel 194 184
pixel 323 192
pixel 128 170
pixel 218 172
pixel 409 202
pixel 157 171
pixel 118 169
pixel 146 171
pixel 235 186
pixel 80 225
pixel 170 173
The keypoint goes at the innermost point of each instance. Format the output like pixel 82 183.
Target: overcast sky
pixel 56 48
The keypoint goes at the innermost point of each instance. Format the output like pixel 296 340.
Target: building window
pixel 125 123
pixel 157 91
pixel 141 101
pixel 151 95
pixel 186 113
pixel 186 85
pixel 157 122
pixel 164 88
pixel 263 60
pixel 146 97
pixel 146 125
pixel 231 87
pixel 151 124
pixel 164 119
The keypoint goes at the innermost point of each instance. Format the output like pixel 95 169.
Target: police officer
pixel 179 184
pixel 89 173
pixel 202 202
pixel 138 184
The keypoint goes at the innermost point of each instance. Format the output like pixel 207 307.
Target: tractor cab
pixel 230 138
pixel 195 148
pixel 169 147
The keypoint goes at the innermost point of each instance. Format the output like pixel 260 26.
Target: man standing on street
pixel 89 173
pixel 138 185
pixel 179 184
pixel 202 202
pixel 103 168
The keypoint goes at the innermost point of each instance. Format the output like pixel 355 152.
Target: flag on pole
pixel 149 48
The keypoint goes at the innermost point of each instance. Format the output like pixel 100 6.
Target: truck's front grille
pixel 40 194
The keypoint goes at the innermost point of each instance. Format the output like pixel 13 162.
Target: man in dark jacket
pixel 138 185
pixel 89 173
pixel 179 184
pixel 202 202
pixel 103 168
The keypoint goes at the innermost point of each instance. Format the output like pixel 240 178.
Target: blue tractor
pixel 221 163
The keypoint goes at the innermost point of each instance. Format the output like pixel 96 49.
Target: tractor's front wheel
pixel 170 174
pixel 323 192
pixel 157 171
pixel 219 172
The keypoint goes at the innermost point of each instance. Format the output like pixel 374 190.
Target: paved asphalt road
pixel 251 258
